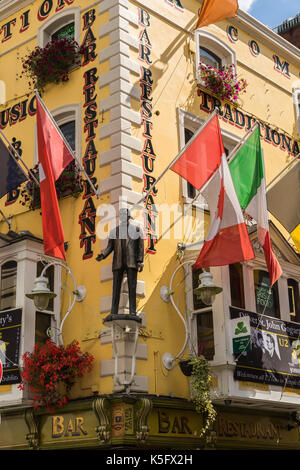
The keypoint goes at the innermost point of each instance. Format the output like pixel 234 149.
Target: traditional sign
pixel 242 120
pixel 10 334
pixel 275 354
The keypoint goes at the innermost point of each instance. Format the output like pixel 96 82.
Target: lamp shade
pixel 207 290
pixel 41 294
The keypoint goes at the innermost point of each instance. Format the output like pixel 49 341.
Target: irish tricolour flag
pixel 227 240
pixel 247 171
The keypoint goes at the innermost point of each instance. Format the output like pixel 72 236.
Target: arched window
pixel 64 24
pixel 210 50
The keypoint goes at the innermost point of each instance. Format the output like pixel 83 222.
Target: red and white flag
pixel 227 241
pixel 54 157
pixel 202 155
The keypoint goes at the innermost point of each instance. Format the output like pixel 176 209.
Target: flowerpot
pixel 186 368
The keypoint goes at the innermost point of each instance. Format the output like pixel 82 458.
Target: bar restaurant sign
pixel 274 357
pixel 10 334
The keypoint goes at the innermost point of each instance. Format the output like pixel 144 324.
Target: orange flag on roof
pixel 213 11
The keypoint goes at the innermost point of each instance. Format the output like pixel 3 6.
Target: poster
pixel 10 335
pixel 274 357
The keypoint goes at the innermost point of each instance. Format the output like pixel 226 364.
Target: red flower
pixel 49 366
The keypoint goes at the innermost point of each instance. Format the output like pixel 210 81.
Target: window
pixel 69 131
pixel 8 285
pixel 212 51
pixel 237 285
pixel 67 31
pixel 63 24
pixel 204 322
pixel 209 58
pixel 266 302
pixel 42 327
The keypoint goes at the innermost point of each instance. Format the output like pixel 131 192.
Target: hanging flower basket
pixel 223 82
pixel 52 63
pixel 51 371
pixel 69 183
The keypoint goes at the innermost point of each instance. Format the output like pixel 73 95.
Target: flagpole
pixel 6 219
pixel 10 146
pixel 177 156
pixel 66 143
pixel 283 170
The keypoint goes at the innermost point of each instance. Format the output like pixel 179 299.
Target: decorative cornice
pixel 267 35
pixel 10 7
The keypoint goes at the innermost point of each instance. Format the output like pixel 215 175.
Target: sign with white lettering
pixel 240 331
pixel 10 334
pixel 274 357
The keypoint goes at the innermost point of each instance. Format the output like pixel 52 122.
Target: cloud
pixel 246 5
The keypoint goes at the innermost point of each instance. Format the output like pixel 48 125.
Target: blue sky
pixel 271 12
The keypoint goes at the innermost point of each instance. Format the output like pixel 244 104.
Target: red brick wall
pixel 293 36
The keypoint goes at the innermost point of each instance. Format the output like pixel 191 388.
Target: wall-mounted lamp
pixel 207 289
pixel 41 294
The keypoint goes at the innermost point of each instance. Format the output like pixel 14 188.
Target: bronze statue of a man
pixel 127 243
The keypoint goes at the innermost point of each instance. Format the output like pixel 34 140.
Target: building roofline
pixel 262 32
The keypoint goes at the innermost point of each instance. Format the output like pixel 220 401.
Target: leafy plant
pixel 200 383
pixel 52 63
pixel 51 371
pixel 223 82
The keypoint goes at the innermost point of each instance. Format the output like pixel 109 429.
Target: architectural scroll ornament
pixel 144 407
pixel 102 410
pixel 32 422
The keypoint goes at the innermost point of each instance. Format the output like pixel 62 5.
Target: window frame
pixel 57 21
pixel 216 46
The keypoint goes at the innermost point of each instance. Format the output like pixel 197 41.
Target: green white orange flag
pixel 227 241
pixel 213 11
pixel 247 171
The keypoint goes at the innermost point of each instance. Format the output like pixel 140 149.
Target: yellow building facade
pixel 127 111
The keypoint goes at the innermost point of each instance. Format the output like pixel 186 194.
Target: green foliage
pixel 201 382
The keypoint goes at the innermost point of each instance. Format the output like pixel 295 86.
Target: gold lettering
pixel 69 428
pixel 79 426
pixel 163 422
pixel 175 427
pixel 57 426
pixel 184 425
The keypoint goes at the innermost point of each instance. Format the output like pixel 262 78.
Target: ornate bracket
pixel 32 422
pixel 101 408
pixel 144 407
